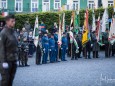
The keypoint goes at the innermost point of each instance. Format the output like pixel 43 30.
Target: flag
pixel 112 31
pixel 76 45
pixel 85 32
pixel 35 32
pixel 60 30
pixel 98 29
pixel 77 22
pixel 71 36
pixel 105 20
pixel 93 22
pixel 63 23
pixel 72 20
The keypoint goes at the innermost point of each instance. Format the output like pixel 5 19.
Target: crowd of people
pixel 48 49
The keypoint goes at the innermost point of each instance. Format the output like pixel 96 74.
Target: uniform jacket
pixel 8 45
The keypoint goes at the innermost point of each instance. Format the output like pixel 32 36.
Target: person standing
pixel 45 47
pixel 43 28
pixel 64 47
pixel 52 49
pixel 8 52
pixel 95 47
pixel 1 26
pixel 27 26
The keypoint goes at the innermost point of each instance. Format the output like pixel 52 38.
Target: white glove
pixel 49 49
pixel 43 49
pixel 91 45
pixel 5 65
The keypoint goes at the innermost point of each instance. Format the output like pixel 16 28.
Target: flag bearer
pixel 64 47
pixel 95 47
pixel 45 46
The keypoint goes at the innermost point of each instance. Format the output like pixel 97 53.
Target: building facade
pixel 51 5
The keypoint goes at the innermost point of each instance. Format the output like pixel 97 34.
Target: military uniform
pixel 95 47
pixel 64 48
pixel 45 46
pixel 52 50
pixel 107 44
pixel 8 54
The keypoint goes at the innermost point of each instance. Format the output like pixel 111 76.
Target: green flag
pixel 77 22
pixel 36 33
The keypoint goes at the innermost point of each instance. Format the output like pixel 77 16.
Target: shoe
pixel 27 65
pixel 72 59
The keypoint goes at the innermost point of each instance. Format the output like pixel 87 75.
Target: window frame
pixel 21 5
pixel 43 4
pixel 59 5
pixel 6 4
pixel 37 6
pixel 91 4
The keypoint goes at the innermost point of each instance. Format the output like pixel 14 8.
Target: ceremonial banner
pixel 105 20
pixel 112 30
pixel 93 22
pixel 35 32
pixel 71 36
pixel 72 20
pixel 60 30
pixel 85 32
pixel 63 23
pixel 77 22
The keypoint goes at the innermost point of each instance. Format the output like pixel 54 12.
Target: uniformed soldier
pixel 106 42
pixel 45 47
pixel 64 47
pixel 8 52
pixel 31 44
pixel 25 50
pixel 52 49
pixel 95 47
pixel 56 45
pixel 74 54
pixel 27 26
pixel 38 54
pixel 43 28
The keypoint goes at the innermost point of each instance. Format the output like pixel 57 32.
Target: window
pixel 57 4
pixel 91 4
pixel 34 5
pixel 18 5
pixel 110 3
pixel 75 4
pixel 4 4
pixel 46 5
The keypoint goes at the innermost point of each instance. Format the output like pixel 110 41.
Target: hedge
pixel 50 17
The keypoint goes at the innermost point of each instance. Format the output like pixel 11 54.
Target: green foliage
pixel 50 17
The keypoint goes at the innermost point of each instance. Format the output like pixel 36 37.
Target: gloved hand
pixel 5 65
pixel 44 49
pixel 91 45
pixel 49 49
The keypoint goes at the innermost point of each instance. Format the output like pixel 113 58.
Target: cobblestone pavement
pixel 81 72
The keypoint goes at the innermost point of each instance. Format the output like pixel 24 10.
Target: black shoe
pixel 76 58
pixel 72 58
pixel 27 65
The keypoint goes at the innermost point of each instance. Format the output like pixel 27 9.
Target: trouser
pixel 8 74
pixel 74 54
pixel 31 49
pixel 38 57
pixel 56 53
pixel 63 51
pixel 95 54
pixel 79 53
pixel 52 55
pixel 113 51
pixel 45 56
pixel 69 50
pixel 107 50
pixel 86 53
